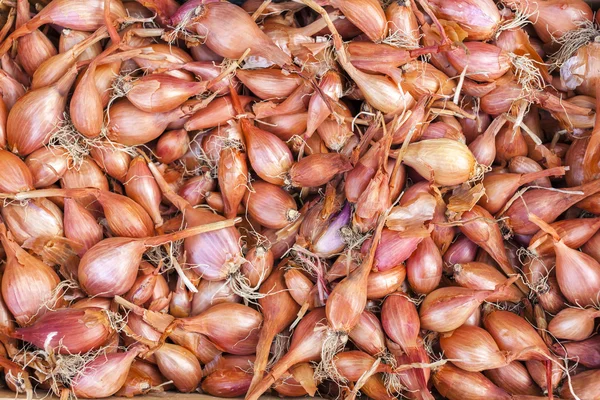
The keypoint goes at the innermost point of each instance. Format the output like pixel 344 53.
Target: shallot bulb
pixel 69 330
pixel 104 375
pixel 447 308
pixel 34 116
pixel 269 156
pixel 475 346
pixel 124 216
pixel 16 176
pixel 456 384
pixel 444 161
pixel 231 327
pixel 90 16
pixel 553 18
pixel 271 206
pixel 38 218
pixel 143 189
pixel 480 19
pixel 180 366
pixel 28 285
pixel 47 166
pixel 573 323
pixel 217 21
pixel 120 257
pixel 424 267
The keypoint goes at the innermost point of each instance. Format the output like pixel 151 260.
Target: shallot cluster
pixel 330 198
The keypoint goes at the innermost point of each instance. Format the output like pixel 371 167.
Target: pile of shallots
pixel 331 198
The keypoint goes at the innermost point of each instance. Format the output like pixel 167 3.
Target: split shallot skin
pixel 385 199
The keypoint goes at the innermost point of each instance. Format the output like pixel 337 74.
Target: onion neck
pixel 263 347
pixel 179 202
pixel 63 85
pixel 186 233
pixel 287 361
pixel 316 26
pixel 55 192
pixel 532 176
pixel 25 29
pixel 82 46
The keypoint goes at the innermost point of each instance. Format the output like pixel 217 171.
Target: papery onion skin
pixel 232 179
pixel 87 175
pixel 553 18
pixel 36 218
pixel 375 388
pixel 575 233
pixel 121 256
pixel 130 126
pixel 11 92
pixel 547 205
pixel 400 321
pixel 268 83
pixel 217 112
pixel 479 19
pixel 71 37
pixel 158 93
pixel 47 166
pixel 279 310
pixel 299 286
pixel 101 264
pixel 317 169
pixel 539 370
pixel 461 250
pixel 268 155
pixel 258 266
pixel 288 386
pixel 195 190
pixel 203 259
pixel 353 364
pixel 172 145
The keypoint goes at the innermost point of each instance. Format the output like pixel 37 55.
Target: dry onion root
pixel 404 195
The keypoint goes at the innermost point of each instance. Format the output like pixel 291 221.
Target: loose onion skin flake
pixel 324 198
